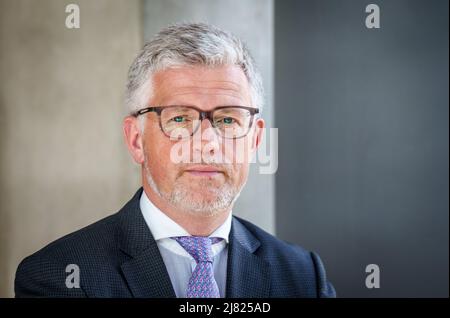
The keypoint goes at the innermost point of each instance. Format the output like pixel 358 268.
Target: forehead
pixel 201 86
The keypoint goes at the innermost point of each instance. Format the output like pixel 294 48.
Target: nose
pixel 209 145
pixel 205 130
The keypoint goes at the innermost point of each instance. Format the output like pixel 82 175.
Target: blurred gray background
pixel 63 161
pixel 362 117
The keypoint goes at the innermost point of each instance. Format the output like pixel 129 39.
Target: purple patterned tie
pixel 202 283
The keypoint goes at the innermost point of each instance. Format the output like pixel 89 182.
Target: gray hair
pixel 189 44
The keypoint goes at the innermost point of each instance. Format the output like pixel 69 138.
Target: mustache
pixel 224 168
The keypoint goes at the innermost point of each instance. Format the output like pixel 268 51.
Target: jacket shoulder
pixel 292 264
pixel 272 244
pixel 43 274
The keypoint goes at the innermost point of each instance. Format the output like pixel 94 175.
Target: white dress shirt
pixel 179 263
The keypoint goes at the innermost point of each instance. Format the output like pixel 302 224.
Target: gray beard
pixel 183 199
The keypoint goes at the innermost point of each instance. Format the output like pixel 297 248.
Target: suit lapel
pixel 145 272
pixel 248 275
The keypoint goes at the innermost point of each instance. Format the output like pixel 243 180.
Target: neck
pixel 194 224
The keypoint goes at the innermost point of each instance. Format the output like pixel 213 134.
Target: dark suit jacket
pixel 118 257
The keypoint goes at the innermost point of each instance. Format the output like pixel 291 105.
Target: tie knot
pixel 199 247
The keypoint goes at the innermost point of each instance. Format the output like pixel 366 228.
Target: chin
pixel 204 199
pixel 203 189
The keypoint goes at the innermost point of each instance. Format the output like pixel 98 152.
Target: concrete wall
pixel 253 22
pixel 63 162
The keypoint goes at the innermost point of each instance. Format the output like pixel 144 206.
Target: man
pixel 194 98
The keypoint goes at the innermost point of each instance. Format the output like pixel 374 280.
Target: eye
pixel 228 120
pixel 179 119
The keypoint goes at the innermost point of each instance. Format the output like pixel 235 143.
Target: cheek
pixel 237 151
pixel 240 174
pixel 161 167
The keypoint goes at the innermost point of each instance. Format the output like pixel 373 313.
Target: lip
pixel 203 170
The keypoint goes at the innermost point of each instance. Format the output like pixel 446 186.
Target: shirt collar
pixel 163 226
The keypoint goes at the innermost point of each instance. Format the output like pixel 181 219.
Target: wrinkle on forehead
pixel 190 85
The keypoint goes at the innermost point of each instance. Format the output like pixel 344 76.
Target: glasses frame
pixel 203 115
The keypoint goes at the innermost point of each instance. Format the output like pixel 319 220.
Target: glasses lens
pixel 232 122
pixel 179 121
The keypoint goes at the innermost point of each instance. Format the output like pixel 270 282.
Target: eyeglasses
pixel 229 122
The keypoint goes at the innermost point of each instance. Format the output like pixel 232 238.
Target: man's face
pixel 211 184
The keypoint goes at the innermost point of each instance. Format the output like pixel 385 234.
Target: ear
pixel 134 138
pixel 260 124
